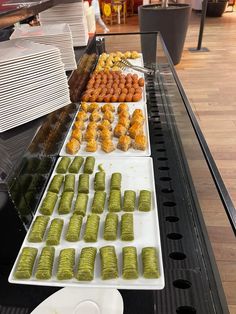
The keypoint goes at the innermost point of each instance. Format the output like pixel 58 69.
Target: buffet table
pixel 192 282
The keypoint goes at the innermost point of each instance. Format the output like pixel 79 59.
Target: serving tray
pixel 137 174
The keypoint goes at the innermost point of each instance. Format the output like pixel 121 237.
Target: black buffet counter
pixel 29 153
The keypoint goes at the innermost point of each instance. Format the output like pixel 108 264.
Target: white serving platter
pixel 82 301
pixel 137 174
pixel 116 152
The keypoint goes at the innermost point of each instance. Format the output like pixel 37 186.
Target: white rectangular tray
pixel 117 152
pixel 137 174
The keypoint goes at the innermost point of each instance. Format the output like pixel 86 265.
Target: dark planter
pixel 216 9
pixel 172 22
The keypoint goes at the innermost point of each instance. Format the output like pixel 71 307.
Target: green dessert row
pixel 65 165
pixel 99 199
pixel 53 237
pixel 83 186
pixel 85 268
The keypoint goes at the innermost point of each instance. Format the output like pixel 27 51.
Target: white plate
pixel 33 78
pixel 24 106
pixel 29 113
pixel 82 301
pixel 38 94
pixel 52 30
pixel 28 87
pixel 44 61
pixel 19 49
pixel 116 152
pixel 34 89
pixel 30 68
pixel 137 174
pixel 30 73
pixel 32 116
pixel 34 113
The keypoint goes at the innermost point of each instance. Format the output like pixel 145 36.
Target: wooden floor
pixel 209 80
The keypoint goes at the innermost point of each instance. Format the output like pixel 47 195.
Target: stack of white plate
pixel 58 35
pixel 32 82
pixel 72 14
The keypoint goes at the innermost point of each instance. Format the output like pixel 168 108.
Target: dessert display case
pixel 182 170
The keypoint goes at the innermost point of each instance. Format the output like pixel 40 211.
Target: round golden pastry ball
pixel 129 97
pixel 114 98
pixel 137 97
pixel 128 85
pixel 131 90
pixel 124 90
pixel 115 85
pixel 100 98
pixel 92 98
pixel 135 76
pixel 135 55
pixel 111 91
pixel 141 82
pixel 122 97
pixel 135 85
pixel 138 90
pixel 96 85
pixel 118 91
pixel 127 54
pixel 107 98
pixel 85 97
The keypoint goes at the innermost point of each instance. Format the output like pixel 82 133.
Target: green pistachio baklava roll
pixel 99 200
pixel 83 186
pixel 81 204
pixel 69 185
pixel 76 164
pixel 129 201
pixel 86 264
pixel 111 227
pixel 54 233
pixel 114 204
pixel 38 229
pixel 45 264
pixel 91 228
pixel 25 263
pixel 109 264
pixel 144 202
pixel 115 183
pixel 65 203
pixel 56 183
pixel 99 181
pixel 65 270
pixel 130 263
pixel 63 165
pixel 150 263
pixel 127 227
pixel 74 228
pixel 89 165
pixel 48 203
